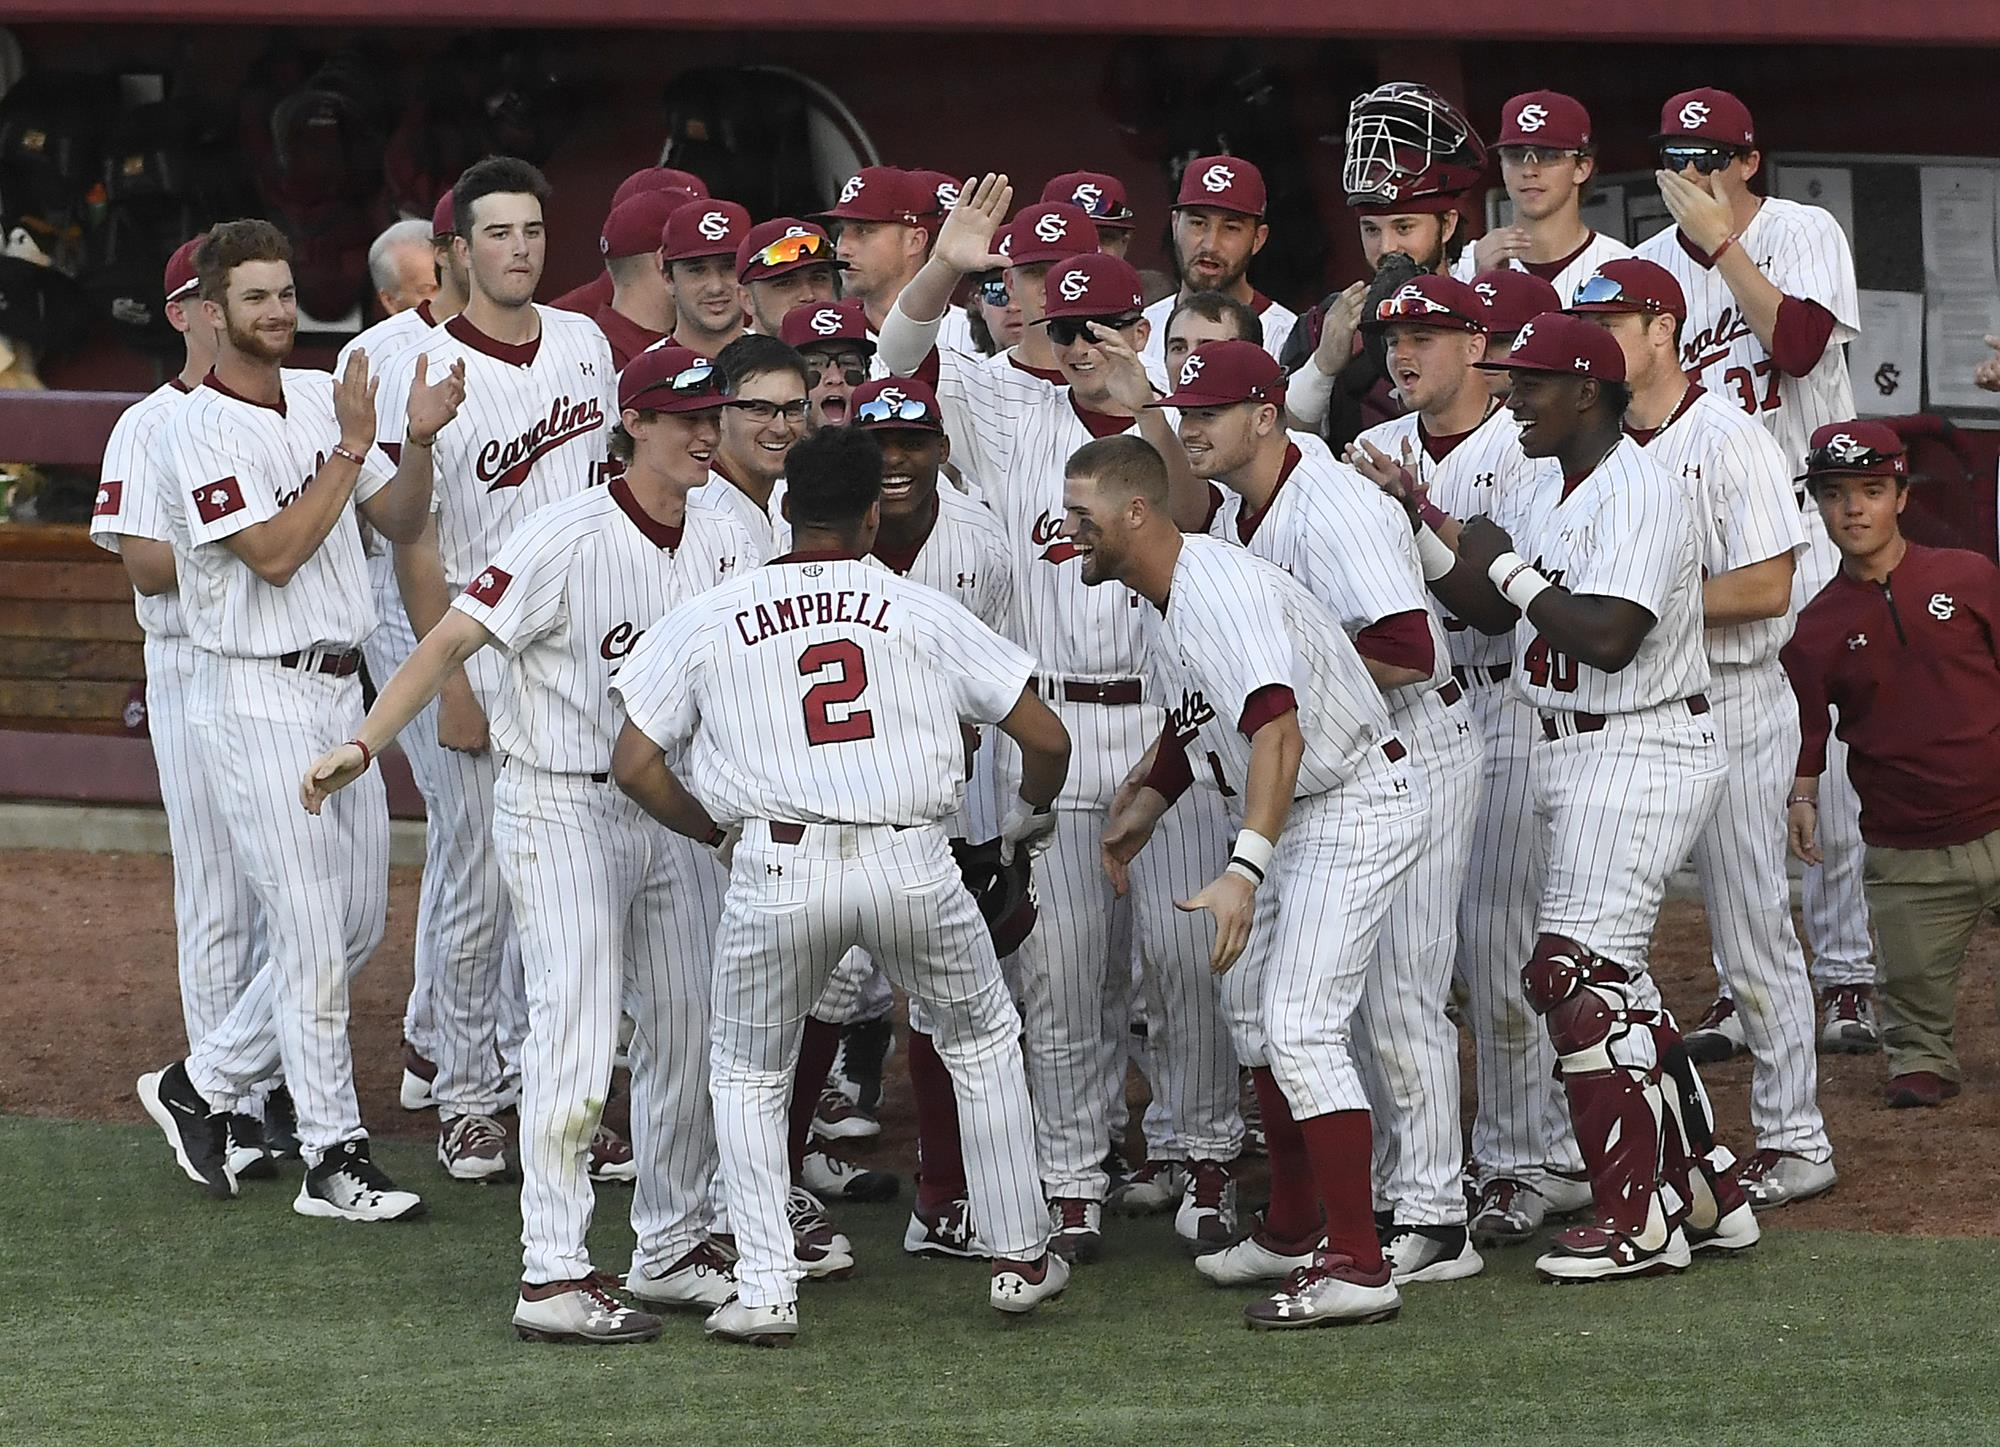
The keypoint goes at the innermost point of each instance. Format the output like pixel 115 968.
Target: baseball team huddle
pixel 1253 699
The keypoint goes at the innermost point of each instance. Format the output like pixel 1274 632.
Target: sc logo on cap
pixel 1524 336
pixel 1532 118
pixel 1694 114
pixel 894 396
pixel 825 322
pixel 1088 196
pixel 851 189
pixel 1217 179
pixel 947 195
pixel 1487 291
pixel 714 225
pixel 1073 285
pixel 1191 368
pixel 1842 448
pixel 1051 227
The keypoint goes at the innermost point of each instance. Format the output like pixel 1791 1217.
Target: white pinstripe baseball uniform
pixel 823 699
pixel 218 930
pixel 1520 1124
pixel 1236 629
pixel 1564 274
pixel 1740 488
pixel 322 882
pixel 1351 546
pixel 983 400
pixel 1277 322
pixel 594 894
pixel 533 429
pixel 1804 253
pixel 1075 979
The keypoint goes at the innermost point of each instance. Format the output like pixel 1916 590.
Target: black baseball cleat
pixel 198 1134
pixel 249 1158
pixel 281 1125
pixel 865 1046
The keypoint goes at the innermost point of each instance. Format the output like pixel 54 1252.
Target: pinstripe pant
pixel 1406 1048
pixel 1740 858
pixel 218 930
pixel 791 911
pixel 322 883
pixel 594 901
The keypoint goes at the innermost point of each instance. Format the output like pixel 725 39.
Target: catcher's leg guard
pixel 1705 1171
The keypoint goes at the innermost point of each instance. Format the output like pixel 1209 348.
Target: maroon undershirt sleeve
pixel 1799 336
pixel 1170 774
pixel 1273 700
pixel 1402 640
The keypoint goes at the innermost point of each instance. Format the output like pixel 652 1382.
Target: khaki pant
pixel 1925 904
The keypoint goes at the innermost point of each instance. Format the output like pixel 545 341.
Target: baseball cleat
pixel 1077 1228
pixel 865 1047
pixel 281 1125
pixel 1778 1178
pixel 757 1326
pixel 1566 1194
pixel 1430 1253
pixel 472 1147
pixel 1718 1037
pixel 947 1231
pixel 1599 1253
pixel 827 1174
pixel 1332 1291
pixel 249 1160
pixel 1507 1213
pixel 1156 1186
pixel 419 1075
pixel 1021 1286
pixel 198 1136
pixel 610 1161
pixel 839 1119
pixel 1918 1089
pixel 580 1311
pixel 1737 1230
pixel 700 1280
pixel 1257 1257
pixel 347 1185
pixel 1850 1027
pixel 825 1253
pixel 1206 1220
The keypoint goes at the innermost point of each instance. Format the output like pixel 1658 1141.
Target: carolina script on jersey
pixel 507 464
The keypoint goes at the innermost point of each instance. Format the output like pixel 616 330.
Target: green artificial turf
pixel 137 1310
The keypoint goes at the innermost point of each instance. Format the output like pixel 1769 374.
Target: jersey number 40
pixel 845 679
pixel 1547 668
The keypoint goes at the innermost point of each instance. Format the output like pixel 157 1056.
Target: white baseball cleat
pixel 757 1326
pixel 700 1280
pixel 1737 1230
pixel 580 1311
pixel 947 1231
pixel 1156 1186
pixel 1565 1195
pixel 1254 1258
pixel 1333 1291
pixel 1430 1253
pixel 472 1147
pixel 1778 1178
pixel 1598 1253
pixel 1206 1219
pixel 1507 1213
pixel 347 1185
pixel 1718 1036
pixel 1021 1286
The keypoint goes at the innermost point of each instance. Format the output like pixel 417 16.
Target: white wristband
pixel 1253 852
pixel 1517 580
pixel 1435 554
pixel 1244 872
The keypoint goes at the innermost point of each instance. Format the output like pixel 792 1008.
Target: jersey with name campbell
pixel 233 463
pixel 1574 271
pixel 1482 474
pixel 569 595
pixel 1236 625
pixel 134 501
pixel 1624 531
pixel 1347 541
pixel 1803 252
pixel 534 427
pixel 1740 492
pixel 822 690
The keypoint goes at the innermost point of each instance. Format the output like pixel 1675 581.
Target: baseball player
pixel 541 392
pixel 1512 299
pixel 1548 155
pixel 785 263
pixel 1218 226
pixel 767 385
pixel 698 256
pixel 995 320
pixel 838 348
pixel 1276 710
pixel 1205 317
pixel 263 463
pixel 1461 447
pixel 1748 532
pixel 881 241
pixel 1771 305
pixel 566 599
pixel 823 698
pixel 218 934
pixel 681 185
pixel 1102 199
pixel 641 309
pixel 1606 627
pixel 1292 504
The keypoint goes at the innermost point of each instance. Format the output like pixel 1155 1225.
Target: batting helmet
pixel 1003 889
pixel 1407 144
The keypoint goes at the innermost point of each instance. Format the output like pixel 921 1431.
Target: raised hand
pixel 965 241
pixel 433 405
pixel 354 403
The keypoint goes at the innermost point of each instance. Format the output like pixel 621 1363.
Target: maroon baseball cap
pixel 634 226
pixel 1707 115
pixel 1631 284
pixel 882 193
pixel 896 402
pixel 1050 231
pixel 782 245
pixel 1431 300
pixel 667 378
pixel 444 218
pixel 1554 342
pixel 180 279
pixel 1546 118
pixel 823 323
pixel 939 190
pixel 1221 374
pixel 658 178
pixel 1222 183
pixel 1513 298
pixel 707 227
pixel 1093 285
pixel 1096 195
pixel 1873 448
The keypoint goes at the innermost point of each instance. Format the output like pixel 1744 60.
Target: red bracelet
pixel 367 754
pixel 353 457
pixel 1727 242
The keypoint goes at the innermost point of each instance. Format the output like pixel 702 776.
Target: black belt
pixel 1468 676
pixel 1590 723
pixel 1110 691
pixel 340 665
pixel 782 833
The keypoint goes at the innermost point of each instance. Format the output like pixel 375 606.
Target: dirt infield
pixel 90 1001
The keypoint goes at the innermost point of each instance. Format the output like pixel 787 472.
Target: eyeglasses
pixel 765 413
pixel 994 292
pixel 851 365
pixel 788 249
pixel 1533 155
pixel 1064 330
pixel 1706 160
pixel 896 408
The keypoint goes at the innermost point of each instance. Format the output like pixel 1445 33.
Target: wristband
pixel 1727 242
pixel 1517 580
pixel 1243 871
pixel 1434 517
pixel 1250 857
pixel 1435 554
pixel 340 449
pixel 1810 803
pixel 367 754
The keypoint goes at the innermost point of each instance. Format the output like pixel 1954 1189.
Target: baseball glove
pixel 1003 889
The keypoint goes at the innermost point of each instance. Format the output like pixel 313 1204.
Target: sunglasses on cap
pixel 765 413
pixel 898 409
pixel 1417 308
pixel 1534 155
pixel 690 380
pixel 1598 288
pixel 1093 203
pixel 1843 454
pixel 993 291
pixel 788 249
pixel 1706 160
pixel 1064 330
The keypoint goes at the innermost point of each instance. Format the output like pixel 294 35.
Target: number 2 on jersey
pixel 842 658
pixel 1546 668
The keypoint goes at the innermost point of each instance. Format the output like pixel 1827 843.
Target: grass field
pixel 139 1312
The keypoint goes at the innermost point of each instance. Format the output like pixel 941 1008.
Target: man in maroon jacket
pixel 1905 643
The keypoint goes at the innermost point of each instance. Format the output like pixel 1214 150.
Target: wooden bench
pixel 70 648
